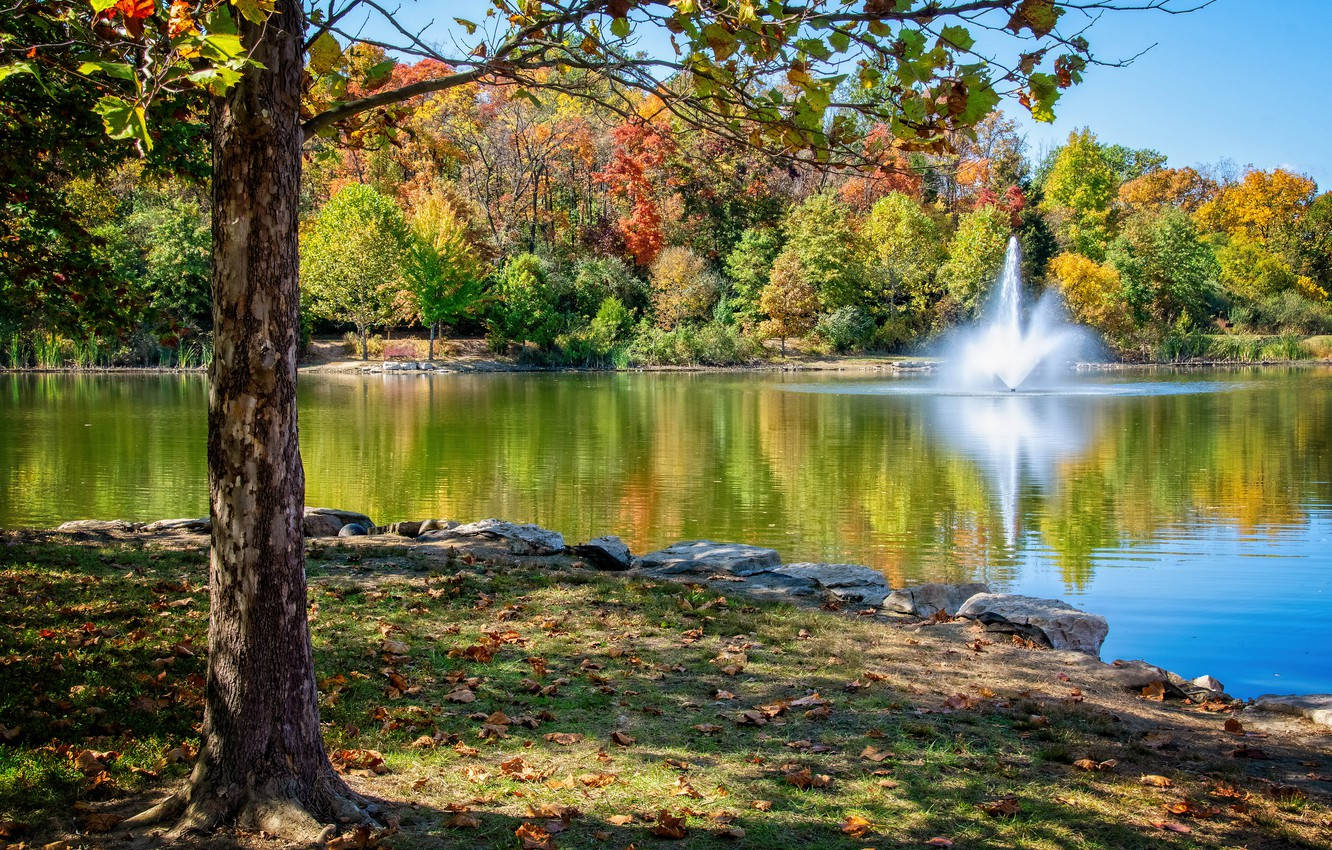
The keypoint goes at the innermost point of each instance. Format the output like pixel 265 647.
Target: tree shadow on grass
pixel 646 660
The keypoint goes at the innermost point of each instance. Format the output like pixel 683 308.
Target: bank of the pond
pixel 484 683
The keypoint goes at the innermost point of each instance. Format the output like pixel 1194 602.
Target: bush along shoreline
pixel 488 682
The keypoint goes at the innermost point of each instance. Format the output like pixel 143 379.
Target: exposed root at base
pixel 197 810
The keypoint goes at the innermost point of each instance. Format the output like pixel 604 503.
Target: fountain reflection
pixel 1017 440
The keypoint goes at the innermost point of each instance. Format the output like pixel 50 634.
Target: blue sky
pixel 1245 80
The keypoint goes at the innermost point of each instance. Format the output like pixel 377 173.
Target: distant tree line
pixel 572 234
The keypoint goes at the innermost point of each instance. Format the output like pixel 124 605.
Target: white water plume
pixel 1006 350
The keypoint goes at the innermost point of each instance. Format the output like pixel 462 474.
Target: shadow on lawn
pixel 101 652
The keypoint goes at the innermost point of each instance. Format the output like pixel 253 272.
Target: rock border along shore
pixel 758 572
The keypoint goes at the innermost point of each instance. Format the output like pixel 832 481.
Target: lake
pixel 1193 510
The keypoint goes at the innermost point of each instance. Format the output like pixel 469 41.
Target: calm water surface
pixel 1194 510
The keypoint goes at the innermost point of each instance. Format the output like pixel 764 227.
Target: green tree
pixel 747 267
pixel 525 302
pixel 443 263
pixel 818 232
pixel 352 258
pixel 975 256
pixel 599 278
pixel 1079 190
pixel 905 250
pixel 789 300
pixel 1168 272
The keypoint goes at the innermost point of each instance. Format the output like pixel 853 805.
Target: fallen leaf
pixel 874 754
pixel 761 805
pixel 856 826
pixel 564 739
pixel 534 837
pixel 100 821
pixel 707 728
pixel 1155 691
pixel 596 780
pixel 621 738
pixel 620 820
pixel 460 695
pixel 462 820
pixel 1171 826
pixel 1155 780
pixel 668 825
pixel 1005 806
pixel 1233 726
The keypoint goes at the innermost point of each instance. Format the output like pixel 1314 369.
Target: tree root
pixel 273 809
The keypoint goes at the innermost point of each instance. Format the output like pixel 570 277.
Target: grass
pixel 102 650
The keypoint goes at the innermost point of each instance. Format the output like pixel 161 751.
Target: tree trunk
pixel 365 343
pixel 262 764
pixel 430 353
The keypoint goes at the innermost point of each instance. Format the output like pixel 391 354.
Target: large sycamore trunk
pixel 262 764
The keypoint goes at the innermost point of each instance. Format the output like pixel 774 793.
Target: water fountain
pixel 1004 350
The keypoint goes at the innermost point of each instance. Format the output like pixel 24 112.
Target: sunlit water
pixel 1194 511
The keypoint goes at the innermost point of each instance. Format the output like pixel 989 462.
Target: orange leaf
pixel 856 826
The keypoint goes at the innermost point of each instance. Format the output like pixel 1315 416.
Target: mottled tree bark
pixel 262 764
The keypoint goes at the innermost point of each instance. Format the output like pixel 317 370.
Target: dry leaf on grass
pixel 1006 806
pixel 668 825
pixel 1155 780
pixel 856 826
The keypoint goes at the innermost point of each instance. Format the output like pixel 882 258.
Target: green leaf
pixel 380 71
pixel 467 25
pixel 216 80
pixel 101 5
pixel 959 37
pixel 840 41
pixel 254 11
pixel 123 120
pixel 7 71
pixel 114 69
pixel 324 53
pixel 620 27
pixel 220 21
pixel 222 47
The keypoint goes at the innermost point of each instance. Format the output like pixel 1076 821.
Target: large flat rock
pixel 1316 708
pixel 1066 627
pixel 522 538
pixel 95 526
pixel 606 553
pixel 703 557
pixel 200 525
pixel 848 582
pixel 327 522
pixel 926 600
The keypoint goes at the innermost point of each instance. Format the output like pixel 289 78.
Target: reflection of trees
pixel 95 446
pixel 655 458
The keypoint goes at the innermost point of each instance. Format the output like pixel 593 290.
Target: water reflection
pixel 1190 510
pixel 1016 439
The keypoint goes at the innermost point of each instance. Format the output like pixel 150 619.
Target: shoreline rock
pixel 1064 626
pixel 759 573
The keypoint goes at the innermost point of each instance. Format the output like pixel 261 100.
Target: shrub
pixel 711 344
pixel 525 303
pixel 596 280
pixel 1290 312
pixel 845 329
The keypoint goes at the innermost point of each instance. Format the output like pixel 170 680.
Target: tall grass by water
pixel 1235 348
pixel 51 352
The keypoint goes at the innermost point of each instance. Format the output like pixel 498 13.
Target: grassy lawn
pixel 479 701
